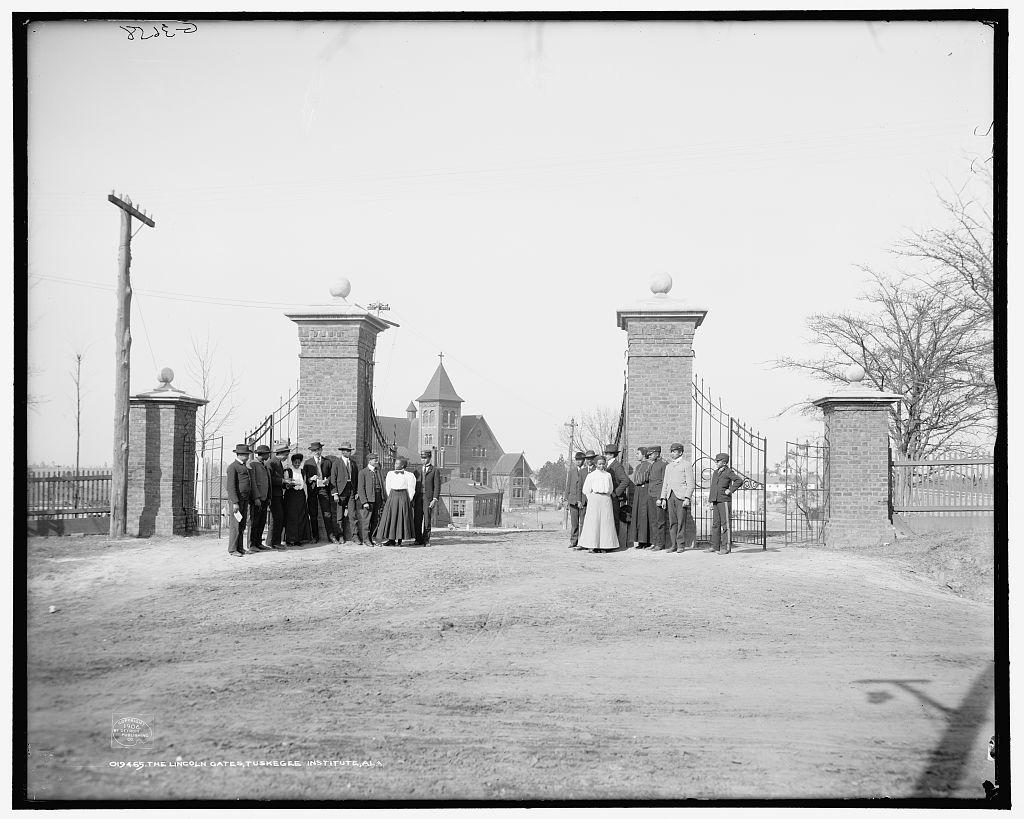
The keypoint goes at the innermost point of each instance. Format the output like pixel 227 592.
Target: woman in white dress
pixel 396 521
pixel 600 532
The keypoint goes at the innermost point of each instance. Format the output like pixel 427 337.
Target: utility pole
pixel 122 364
pixel 568 465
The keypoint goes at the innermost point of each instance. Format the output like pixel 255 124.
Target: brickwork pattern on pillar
pixel 858 474
pixel 660 373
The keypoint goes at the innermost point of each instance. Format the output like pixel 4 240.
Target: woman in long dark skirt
pixel 396 521
pixel 639 507
pixel 296 512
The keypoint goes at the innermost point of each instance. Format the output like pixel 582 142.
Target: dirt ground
pixel 499 666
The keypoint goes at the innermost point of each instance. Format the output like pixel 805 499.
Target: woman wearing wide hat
pixel 296 504
pixel 396 521
pixel 600 531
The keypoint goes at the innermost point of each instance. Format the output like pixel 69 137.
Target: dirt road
pixel 499 666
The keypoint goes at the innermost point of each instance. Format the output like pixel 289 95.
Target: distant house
pixel 465 503
pixel 512 475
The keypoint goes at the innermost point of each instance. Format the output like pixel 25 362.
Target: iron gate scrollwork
pixel 805 495
pixel 715 431
pixel 202 483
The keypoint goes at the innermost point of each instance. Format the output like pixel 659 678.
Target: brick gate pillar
pixel 857 434
pixel 659 369
pixel 336 347
pixel 161 459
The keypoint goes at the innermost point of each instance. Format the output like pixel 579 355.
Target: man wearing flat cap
pixel 344 476
pixel 238 480
pixel 275 468
pixel 428 495
pixel 317 473
pixel 575 498
pixel 260 498
pixel 676 494
pixel 620 485
pixel 724 482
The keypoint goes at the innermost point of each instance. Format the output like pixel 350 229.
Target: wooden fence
pixel 955 487
pixel 59 494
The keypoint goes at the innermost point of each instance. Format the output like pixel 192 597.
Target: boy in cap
pixel 724 482
pixel 428 493
pixel 275 468
pixel 676 491
pixel 260 498
pixel 575 498
pixel 344 475
pixel 239 490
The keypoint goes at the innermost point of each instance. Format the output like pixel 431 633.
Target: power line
pixel 149 343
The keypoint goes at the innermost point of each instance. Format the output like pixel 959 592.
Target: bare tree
pixel 76 377
pixel 915 341
pixel 218 390
pixel 595 428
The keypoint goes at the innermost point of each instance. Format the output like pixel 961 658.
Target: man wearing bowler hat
pixel 676 492
pixel 428 494
pixel 275 467
pixel 344 476
pixel 317 473
pixel 239 490
pixel 724 482
pixel 620 485
pixel 260 498
pixel 574 497
pixel 371 498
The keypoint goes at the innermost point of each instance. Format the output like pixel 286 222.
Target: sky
pixel 504 187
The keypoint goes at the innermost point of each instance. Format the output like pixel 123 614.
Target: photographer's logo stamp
pixel 131 731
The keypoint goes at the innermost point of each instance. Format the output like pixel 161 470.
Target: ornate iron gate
pixel 805 496
pixel 202 483
pixel 280 424
pixel 714 431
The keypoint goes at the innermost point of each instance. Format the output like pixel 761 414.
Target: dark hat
pixel 589 454
pixel 427 453
pixel 242 449
pixel 579 456
pixel 282 446
pixel 372 456
pixel 263 449
pixel 316 444
pixel 345 447
pixel 677 448
pixel 611 449
pixel 643 449
pixel 656 449
pixel 722 456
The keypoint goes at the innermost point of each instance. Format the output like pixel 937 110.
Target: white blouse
pixel 403 480
pixel 598 481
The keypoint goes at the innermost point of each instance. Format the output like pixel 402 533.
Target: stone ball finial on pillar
pixel 661 284
pixel 165 376
pixel 341 288
pixel 855 374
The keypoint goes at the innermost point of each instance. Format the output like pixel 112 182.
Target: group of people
pixel 651 509
pixel 306 496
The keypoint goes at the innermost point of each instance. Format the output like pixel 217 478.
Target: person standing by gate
pixel 317 472
pixel 343 487
pixel 297 525
pixel 396 521
pixel 620 482
pixel 428 494
pixel 676 492
pixel 637 533
pixel 276 467
pixel 599 528
pixel 239 489
pixel 724 482
pixel 260 498
pixel 655 483
pixel 574 497
pixel 371 499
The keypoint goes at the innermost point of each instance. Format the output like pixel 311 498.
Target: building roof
pixel 411 408
pixel 508 462
pixel 440 387
pixel 461 488
pixel 403 430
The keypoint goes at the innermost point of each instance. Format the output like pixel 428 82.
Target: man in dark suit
pixel 370 490
pixel 238 480
pixel 655 483
pixel 428 493
pixel 620 485
pixel 275 466
pixel 574 497
pixel 260 498
pixel 344 476
pixel 724 482
pixel 317 473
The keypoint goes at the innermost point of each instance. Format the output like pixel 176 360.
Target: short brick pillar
pixel 857 434
pixel 161 459
pixel 336 347
pixel 659 370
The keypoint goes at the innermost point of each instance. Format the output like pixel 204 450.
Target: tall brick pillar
pixel 161 459
pixel 857 433
pixel 659 370
pixel 336 346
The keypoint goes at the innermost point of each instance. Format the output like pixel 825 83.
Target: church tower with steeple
pixel 440 421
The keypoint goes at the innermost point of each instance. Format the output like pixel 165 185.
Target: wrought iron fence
pixel 388 451
pixel 67 494
pixel 280 424
pixel 202 489
pixel 805 494
pixel 951 487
